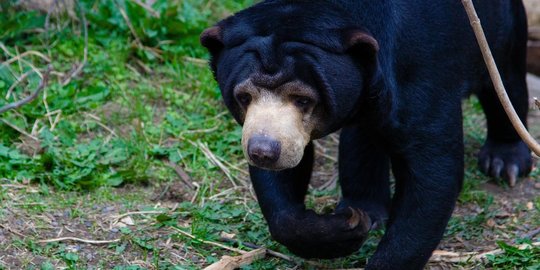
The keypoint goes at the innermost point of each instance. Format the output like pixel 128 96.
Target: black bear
pixel 391 76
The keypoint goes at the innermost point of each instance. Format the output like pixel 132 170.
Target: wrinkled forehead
pixel 270 64
pixel 290 88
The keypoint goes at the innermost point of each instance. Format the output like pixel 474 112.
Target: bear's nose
pixel 263 151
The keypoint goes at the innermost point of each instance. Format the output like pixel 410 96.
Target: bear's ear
pixel 212 39
pixel 359 42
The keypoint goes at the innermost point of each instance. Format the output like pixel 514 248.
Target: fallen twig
pixel 97 120
pixel 22 55
pixel 230 263
pixel 129 24
pixel 32 96
pixel 268 251
pixel 15 186
pixel 86 241
pixel 460 257
pixel 531 234
pixel 17 82
pixel 496 78
pixel 13 231
pixel 117 217
pixel 209 242
pixel 197 61
pixel 183 175
pixel 19 130
pixel 274 253
pixel 213 159
pixel 148 8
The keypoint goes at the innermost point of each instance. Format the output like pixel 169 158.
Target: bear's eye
pixel 244 99
pixel 302 102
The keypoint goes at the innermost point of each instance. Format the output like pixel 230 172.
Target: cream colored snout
pixel 274 132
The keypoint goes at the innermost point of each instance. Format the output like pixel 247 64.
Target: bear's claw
pixel 505 160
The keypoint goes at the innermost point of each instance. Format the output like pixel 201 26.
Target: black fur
pixel 398 105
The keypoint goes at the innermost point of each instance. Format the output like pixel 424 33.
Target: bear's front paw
pixel 506 160
pixel 310 235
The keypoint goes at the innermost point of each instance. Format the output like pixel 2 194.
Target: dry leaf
pixel 227 235
pixel 128 221
pixel 230 263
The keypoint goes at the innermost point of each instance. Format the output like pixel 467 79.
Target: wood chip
pixel 128 221
pixel 230 263
pixel 227 235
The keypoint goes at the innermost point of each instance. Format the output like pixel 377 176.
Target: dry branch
pixel 18 129
pixel 21 56
pixel 215 160
pixel 461 257
pixel 183 175
pixel 531 234
pixel 87 241
pixel 268 251
pixel 209 242
pixel 496 78
pixel 148 8
pixel 156 212
pixel 13 231
pixel 230 263
pixel 129 24
pixel 16 83
pixel 32 96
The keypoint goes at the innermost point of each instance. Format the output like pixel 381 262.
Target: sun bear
pixel 391 75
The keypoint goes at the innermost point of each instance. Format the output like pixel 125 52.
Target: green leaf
pixel 71 257
pixel 47 266
pixel 125 230
pixel 115 181
pixel 4 151
pixel 99 94
pixel 163 218
pixel 120 249
pixel 143 243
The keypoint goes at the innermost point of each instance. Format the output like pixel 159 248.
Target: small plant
pixel 516 257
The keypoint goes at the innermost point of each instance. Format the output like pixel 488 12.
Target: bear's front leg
pixel 429 175
pixel 364 172
pixel 306 233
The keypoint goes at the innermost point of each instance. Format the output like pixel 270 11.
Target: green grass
pixel 99 146
pixel 155 100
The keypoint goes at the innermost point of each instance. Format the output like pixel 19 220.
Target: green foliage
pixel 173 26
pixel 16 26
pixel 516 258
pixel 137 90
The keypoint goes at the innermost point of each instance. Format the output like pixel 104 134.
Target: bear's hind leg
pixel 504 154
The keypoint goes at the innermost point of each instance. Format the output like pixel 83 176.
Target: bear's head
pixel 288 76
